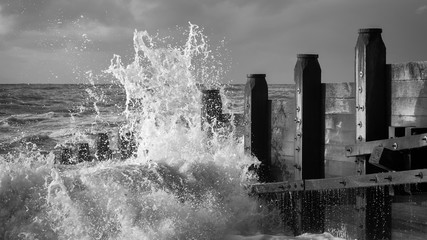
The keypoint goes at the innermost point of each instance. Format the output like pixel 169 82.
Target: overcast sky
pixel 54 41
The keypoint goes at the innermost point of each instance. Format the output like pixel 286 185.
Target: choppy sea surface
pixel 45 116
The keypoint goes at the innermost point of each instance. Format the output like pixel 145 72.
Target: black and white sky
pixel 55 41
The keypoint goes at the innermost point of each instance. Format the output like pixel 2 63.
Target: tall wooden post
pixel 309 141
pixel 371 90
pixel 310 137
pixel 256 122
pixel 371 124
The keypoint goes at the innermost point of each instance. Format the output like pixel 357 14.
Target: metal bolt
pixel 375 179
pixel 349 149
pixel 390 178
pixel 361 108
pixel 343 182
pixel 425 138
pixel 420 175
pixel 357 107
pixel 298 108
pixel 297 120
pixel 298 90
pixel 298 149
pixel 394 146
pixel 359 124
pixel 299 134
pixel 361 74
pixel 360 138
pixel 360 89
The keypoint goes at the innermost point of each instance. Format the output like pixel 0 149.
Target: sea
pixel 179 183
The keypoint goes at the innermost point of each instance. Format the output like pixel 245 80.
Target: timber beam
pixel 356 181
pixel 395 144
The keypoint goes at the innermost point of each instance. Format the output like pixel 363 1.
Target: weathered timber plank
pixel 340 90
pixel 409 106
pixel 288 148
pixel 340 106
pixel 401 143
pixel 403 121
pixel 368 180
pixel 278 187
pixel 337 136
pixel 339 168
pixel 336 152
pixel 409 88
pixel 283 106
pixel 354 181
pixel 408 71
pixel 345 122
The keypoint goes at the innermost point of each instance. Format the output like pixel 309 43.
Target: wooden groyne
pixel 348 158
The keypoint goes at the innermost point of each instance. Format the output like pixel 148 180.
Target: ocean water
pixel 182 183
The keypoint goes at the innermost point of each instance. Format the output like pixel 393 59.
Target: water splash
pixel 178 186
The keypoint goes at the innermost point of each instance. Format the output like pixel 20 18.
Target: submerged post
pixel 103 147
pixel 127 145
pixel 211 110
pixel 373 211
pixel 310 137
pixel 66 154
pixel 256 122
pixel 83 152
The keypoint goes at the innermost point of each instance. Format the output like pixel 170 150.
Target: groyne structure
pixel 347 158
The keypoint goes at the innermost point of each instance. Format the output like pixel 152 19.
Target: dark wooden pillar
pixel 371 124
pixel 371 90
pixel 127 144
pixel 256 137
pixel 309 141
pixel 310 137
pixel 103 151
pixel 83 153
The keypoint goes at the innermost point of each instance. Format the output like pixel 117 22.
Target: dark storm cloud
pixel 41 14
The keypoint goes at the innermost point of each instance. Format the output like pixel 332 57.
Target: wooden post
pixel 309 140
pixel 310 137
pixel 127 145
pixel 103 147
pixel 371 124
pixel 211 110
pixel 83 152
pixel 66 154
pixel 256 122
pixel 371 90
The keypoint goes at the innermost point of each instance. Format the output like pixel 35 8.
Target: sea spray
pixel 181 185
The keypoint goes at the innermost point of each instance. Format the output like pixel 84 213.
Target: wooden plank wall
pixel 340 128
pixel 408 108
pixel 339 131
pixel 408 93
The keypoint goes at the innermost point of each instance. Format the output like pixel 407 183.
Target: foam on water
pixel 183 184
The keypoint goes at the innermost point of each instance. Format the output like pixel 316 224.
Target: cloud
pixel 6 23
pixel 421 9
